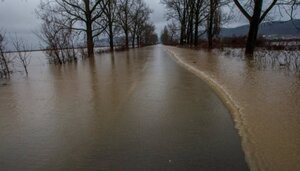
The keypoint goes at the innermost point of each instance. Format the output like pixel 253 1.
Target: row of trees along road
pixel 194 18
pixel 67 21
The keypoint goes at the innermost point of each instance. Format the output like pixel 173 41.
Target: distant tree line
pixel 67 22
pixel 192 19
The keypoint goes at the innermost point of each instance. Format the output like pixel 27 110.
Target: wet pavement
pixel 135 110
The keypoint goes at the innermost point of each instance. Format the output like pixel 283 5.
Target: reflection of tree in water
pixel 269 59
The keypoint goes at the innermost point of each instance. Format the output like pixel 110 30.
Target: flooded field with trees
pixel 263 99
pixel 84 85
pixel 133 110
pixel 253 68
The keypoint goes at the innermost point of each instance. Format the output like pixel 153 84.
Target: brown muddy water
pixel 266 96
pixel 135 110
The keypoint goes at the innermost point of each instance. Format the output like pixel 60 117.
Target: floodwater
pixel 268 102
pixel 135 110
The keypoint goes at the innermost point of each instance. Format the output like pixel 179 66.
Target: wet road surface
pixel 135 110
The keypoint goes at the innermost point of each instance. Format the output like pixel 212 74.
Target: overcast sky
pixel 18 16
pixel 158 15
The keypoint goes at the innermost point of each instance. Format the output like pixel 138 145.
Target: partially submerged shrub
pixel 5 70
pixel 265 58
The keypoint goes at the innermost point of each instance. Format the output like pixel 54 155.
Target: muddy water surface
pixel 135 110
pixel 269 104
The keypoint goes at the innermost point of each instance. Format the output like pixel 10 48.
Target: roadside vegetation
pixel 4 59
pixel 122 24
pixel 77 29
pixel 198 23
pixel 12 62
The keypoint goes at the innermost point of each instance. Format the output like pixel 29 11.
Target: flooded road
pixel 135 110
pixel 267 101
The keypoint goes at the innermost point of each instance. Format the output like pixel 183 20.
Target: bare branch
pixel 241 8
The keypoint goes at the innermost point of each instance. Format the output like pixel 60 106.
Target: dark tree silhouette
pixel 23 56
pixel 255 12
pixel 195 16
pixel 140 15
pixel 79 15
pixel 4 68
pixel 90 18
pixel 110 19
pixel 255 19
pixel 213 21
pixel 124 17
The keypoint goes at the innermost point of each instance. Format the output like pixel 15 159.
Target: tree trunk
pixel 89 30
pixel 210 25
pixel 138 41
pixel 90 41
pixel 57 56
pixel 183 25
pixel 191 33
pixel 191 24
pixel 126 39
pixel 182 32
pixel 126 26
pixel 111 37
pixel 196 34
pixel 133 40
pixel 110 25
pixel 251 39
pixel 25 68
pixel 6 68
pixel 188 35
pixel 253 31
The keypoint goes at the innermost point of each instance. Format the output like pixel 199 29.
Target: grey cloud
pixel 158 15
pixel 18 15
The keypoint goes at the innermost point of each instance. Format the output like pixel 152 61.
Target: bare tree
pixel 165 36
pixel 124 17
pixel 79 15
pixel 110 19
pixel 200 16
pixel 60 40
pixel 91 17
pixel 149 37
pixel 178 10
pixel 213 21
pixel 140 15
pixel 169 34
pixel 22 54
pixel 173 28
pixel 191 16
pixel 4 67
pixel 49 34
pixel 256 11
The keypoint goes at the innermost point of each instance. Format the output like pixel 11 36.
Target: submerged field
pixel 264 97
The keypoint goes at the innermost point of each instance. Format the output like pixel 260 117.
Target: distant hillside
pixel 277 29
